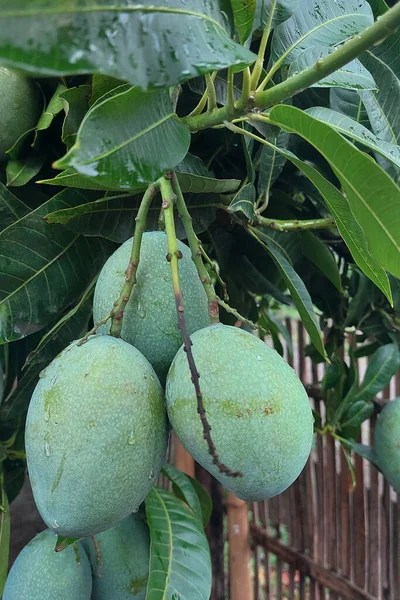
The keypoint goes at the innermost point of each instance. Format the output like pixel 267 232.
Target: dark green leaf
pixel 128 140
pixel 274 11
pixel 364 451
pixel 297 289
pixel 381 368
pixel 76 104
pixel 358 412
pixel 244 201
pixel 373 197
pixel 64 542
pixel 204 499
pixel 20 171
pixel 183 488
pixel 11 208
pixel 101 85
pixel 243 14
pixel 349 103
pixel 318 253
pixel 120 41
pixel 43 268
pixel 198 86
pixel 271 163
pixel 179 554
pixel 378 6
pixel 4 534
pixel 53 108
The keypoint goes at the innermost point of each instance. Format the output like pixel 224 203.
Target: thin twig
pixel 174 254
pixel 258 67
pixel 215 270
pixel 203 100
pixel 237 314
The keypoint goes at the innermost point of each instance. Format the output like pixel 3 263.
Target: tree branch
pixel 174 254
pixel 296 225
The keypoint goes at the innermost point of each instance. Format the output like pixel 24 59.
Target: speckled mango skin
pixel 40 573
pixel 96 436
pixel 387 443
pixel 125 553
pixel 259 412
pixel 150 322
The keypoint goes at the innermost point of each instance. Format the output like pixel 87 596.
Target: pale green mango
pixel 19 107
pixel 387 443
pixel 96 436
pixel 123 569
pixel 40 573
pixel 260 415
pixel 150 322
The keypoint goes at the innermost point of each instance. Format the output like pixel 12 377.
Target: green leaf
pixel 243 14
pixel 352 76
pixel 128 140
pixel 198 86
pixel 297 289
pixel 64 542
pixel 349 103
pixel 101 85
pixel 381 368
pixel 20 171
pixel 204 499
pixel 70 327
pixel 277 11
pixel 43 268
pixel 11 208
pixel 244 201
pixel 358 412
pixel 5 522
pixel 180 565
pixel 53 108
pixel 319 254
pixel 378 6
pixel 356 132
pixel 113 217
pixel 119 40
pixel 321 26
pixel 364 451
pixel 75 102
pixel 182 488
pixel 373 197
pixel 271 163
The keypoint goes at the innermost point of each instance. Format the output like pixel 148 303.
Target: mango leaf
pixel 381 368
pixel 53 108
pixel 120 41
pixel 351 76
pixel 373 197
pixel 21 170
pixel 43 268
pixel 101 85
pixel 64 542
pixel 297 289
pixel 271 163
pixel 356 132
pixel 113 217
pixel 349 103
pixel 129 139
pixel 11 208
pixel 243 15
pixel 364 451
pixel 323 26
pixel 198 86
pixel 358 412
pixel 5 521
pixel 378 6
pixel 182 488
pixel 319 254
pixel 206 504
pixel 75 102
pixel 244 201
pixel 180 563
pixel 274 12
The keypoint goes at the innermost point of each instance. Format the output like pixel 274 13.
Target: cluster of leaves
pixel 296 202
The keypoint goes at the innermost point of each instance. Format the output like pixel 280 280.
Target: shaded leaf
pixel 373 197
pixel 11 208
pixel 356 132
pixel 64 542
pixel 381 368
pixel 20 171
pixel 243 15
pixel 182 488
pixel 358 412
pixel 277 11
pixel 297 289
pixel 101 85
pixel 120 41
pixel 179 554
pixel 43 268
pixel 378 6
pixel 5 522
pixel 198 86
pixel 319 254
pixel 128 140
pixel 349 103
pixel 204 499
pixel 244 201
pixel 271 163
pixel 364 451
pixel 53 108
pixel 75 102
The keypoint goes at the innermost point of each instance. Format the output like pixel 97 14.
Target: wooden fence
pixel 322 538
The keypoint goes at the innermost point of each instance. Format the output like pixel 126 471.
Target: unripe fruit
pixel 40 573
pixel 387 443
pixel 96 436
pixel 120 563
pixel 150 322
pixel 260 415
pixel 19 108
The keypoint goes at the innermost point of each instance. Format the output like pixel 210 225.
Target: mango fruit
pixel 19 107
pixel 260 415
pixel 120 563
pixel 150 322
pixel 40 573
pixel 387 443
pixel 96 436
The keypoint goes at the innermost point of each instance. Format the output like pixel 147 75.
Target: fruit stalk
pixel 194 245
pixel 173 256
pixel 117 312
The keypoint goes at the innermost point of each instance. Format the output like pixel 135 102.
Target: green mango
pixel 19 107
pixel 150 322
pixel 120 563
pixel 96 436
pixel 260 416
pixel 387 443
pixel 40 573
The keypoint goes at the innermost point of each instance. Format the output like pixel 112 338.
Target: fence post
pixel 239 549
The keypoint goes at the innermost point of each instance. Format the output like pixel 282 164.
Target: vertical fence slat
pixel 359 524
pixel 373 571
pixel 239 549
